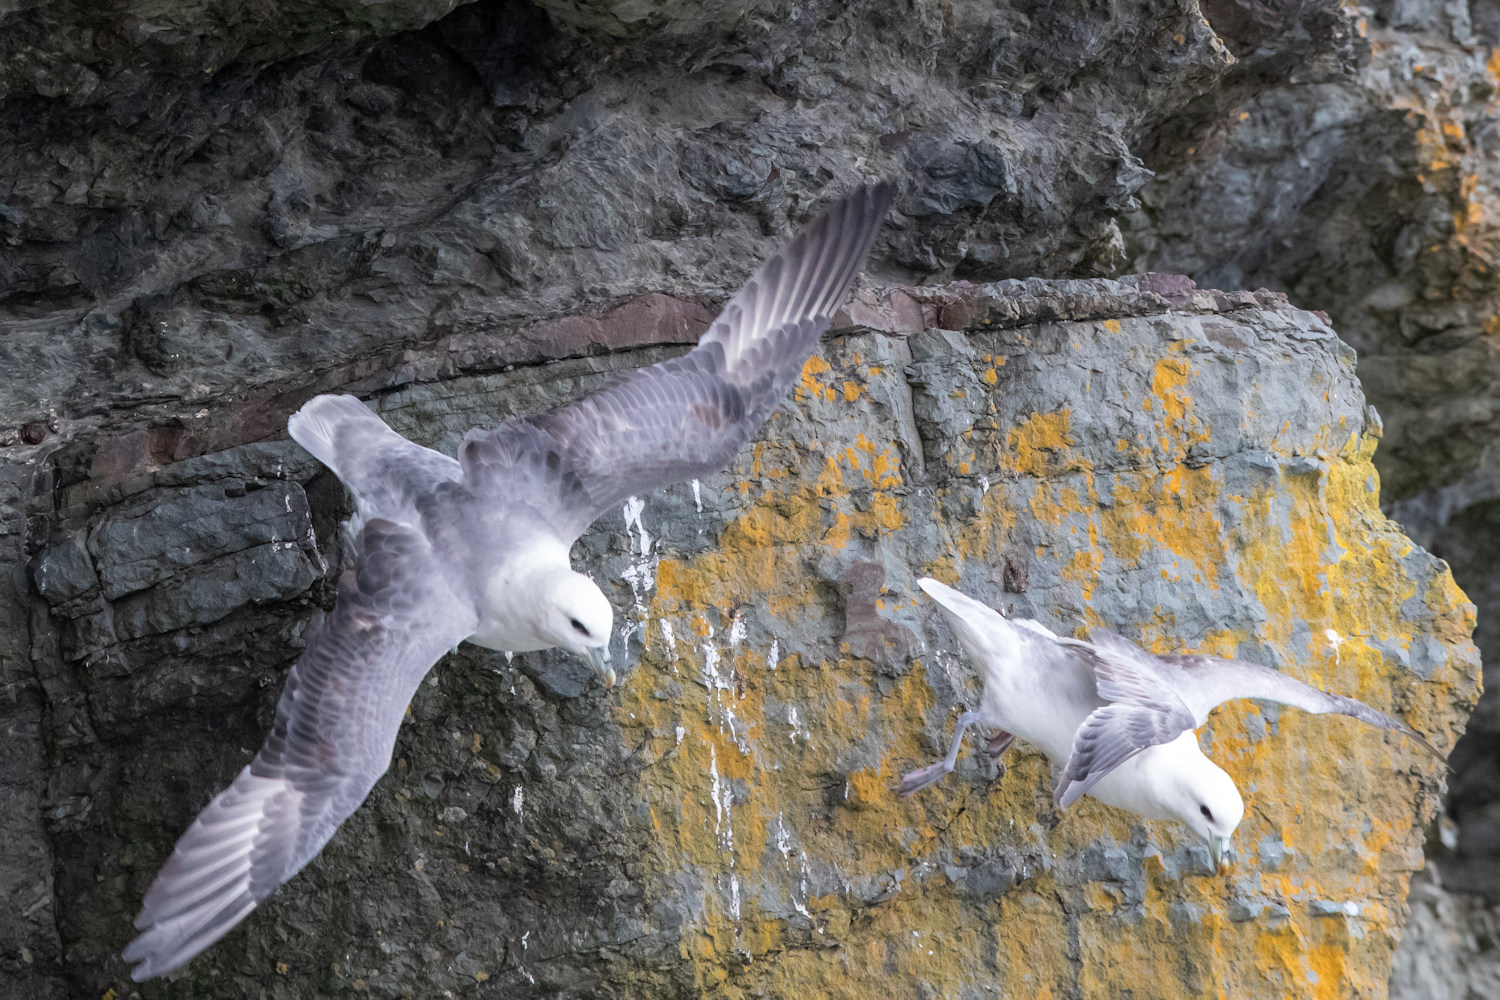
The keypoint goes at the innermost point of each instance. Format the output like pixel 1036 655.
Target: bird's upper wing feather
pixel 1155 698
pixel 1206 682
pixel 332 739
pixel 685 417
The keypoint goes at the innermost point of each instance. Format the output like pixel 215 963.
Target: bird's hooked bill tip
pixel 599 657
pixel 1218 850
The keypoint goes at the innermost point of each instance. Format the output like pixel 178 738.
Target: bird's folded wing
pixel 1141 714
pixel 335 728
pixel 686 417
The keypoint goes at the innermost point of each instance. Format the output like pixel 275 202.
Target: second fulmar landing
pixel 476 548
pixel 1120 720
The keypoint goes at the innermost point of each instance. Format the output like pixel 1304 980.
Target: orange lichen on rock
pixel 806 673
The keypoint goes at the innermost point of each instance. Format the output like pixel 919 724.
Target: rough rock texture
pixel 1366 186
pixel 209 212
pixel 1448 951
pixel 1192 468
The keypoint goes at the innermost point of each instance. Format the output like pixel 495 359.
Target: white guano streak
pixel 718 685
pixel 640 574
pixel 784 845
pixel 723 796
pixel 671 637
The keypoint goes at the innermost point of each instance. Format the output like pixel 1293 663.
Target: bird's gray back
pixel 1042 690
pixel 478 536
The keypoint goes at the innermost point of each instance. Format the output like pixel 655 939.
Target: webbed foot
pixel 919 779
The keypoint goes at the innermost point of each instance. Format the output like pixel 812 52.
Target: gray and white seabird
pixel 1120 720
pixel 476 548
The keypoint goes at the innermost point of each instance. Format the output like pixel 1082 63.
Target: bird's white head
pixel 1206 799
pixel 575 614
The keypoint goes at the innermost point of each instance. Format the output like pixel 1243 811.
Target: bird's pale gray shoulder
pixel 335 727
pixel 1141 713
pixel 1042 632
pixel 686 417
pixel 1120 648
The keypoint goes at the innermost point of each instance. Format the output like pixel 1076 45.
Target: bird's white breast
pixel 509 601
pixel 1139 784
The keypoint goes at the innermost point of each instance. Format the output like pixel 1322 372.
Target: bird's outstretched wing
pixel 1156 698
pixel 335 728
pixel 685 417
pixel 384 471
pixel 1206 682
pixel 1142 713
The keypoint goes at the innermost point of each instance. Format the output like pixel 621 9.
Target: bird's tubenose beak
pixel 599 657
pixel 1218 850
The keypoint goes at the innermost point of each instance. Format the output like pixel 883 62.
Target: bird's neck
pixel 511 596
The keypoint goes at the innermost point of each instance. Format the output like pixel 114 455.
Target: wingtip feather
pixel 164 946
pixel 205 887
pixel 1065 797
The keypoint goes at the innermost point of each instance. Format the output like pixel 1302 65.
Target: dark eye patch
pixel 579 626
pixel 1204 811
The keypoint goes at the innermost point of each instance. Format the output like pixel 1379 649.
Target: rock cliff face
pixel 1367 189
pixel 1189 467
pixel 210 212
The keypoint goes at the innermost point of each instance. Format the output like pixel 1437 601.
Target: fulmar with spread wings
pixel 1118 719
pixel 476 548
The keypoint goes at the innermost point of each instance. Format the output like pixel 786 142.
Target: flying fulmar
pixel 476 548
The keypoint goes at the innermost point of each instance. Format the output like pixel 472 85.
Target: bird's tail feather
pixel 323 421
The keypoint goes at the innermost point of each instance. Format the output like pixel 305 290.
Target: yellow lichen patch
pixel 985 536
pixel 1180 428
pixel 810 383
pixel 1175 512
pixel 1038 446
pixel 882 466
